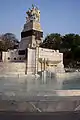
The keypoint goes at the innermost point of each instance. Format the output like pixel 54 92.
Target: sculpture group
pixel 33 14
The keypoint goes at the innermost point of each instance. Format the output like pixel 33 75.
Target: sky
pixel 57 16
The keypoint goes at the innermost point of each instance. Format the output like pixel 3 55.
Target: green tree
pixel 10 41
pixel 2 45
pixel 68 41
pixel 52 41
pixel 69 44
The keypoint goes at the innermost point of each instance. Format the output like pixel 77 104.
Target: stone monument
pixel 32 33
pixel 30 56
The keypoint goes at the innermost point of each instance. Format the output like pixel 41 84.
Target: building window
pixel 8 58
pixel 14 58
pixel 19 58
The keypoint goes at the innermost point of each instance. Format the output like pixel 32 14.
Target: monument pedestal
pixel 31 34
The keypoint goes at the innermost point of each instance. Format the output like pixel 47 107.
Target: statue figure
pixel 33 14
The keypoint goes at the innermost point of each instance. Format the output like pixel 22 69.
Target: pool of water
pixel 34 89
pixel 61 81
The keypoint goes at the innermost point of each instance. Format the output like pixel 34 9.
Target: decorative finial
pixel 29 9
pixel 32 6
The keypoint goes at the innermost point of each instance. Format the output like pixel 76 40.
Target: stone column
pixel 36 59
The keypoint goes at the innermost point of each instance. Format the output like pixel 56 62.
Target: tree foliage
pixel 52 41
pixel 8 41
pixel 69 44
